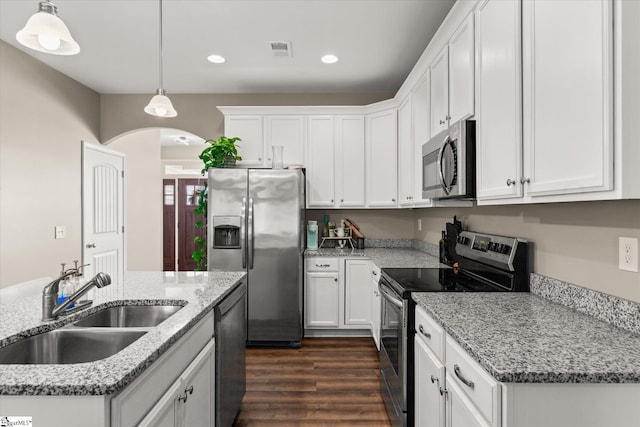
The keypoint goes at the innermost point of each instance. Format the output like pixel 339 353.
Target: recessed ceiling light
pixel 329 59
pixel 182 140
pixel 216 59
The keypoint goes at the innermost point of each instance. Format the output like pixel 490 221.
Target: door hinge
pixel 123 173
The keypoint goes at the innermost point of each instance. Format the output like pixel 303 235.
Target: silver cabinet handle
pixel 331 200
pixel 422 331
pixel 448 117
pixel 259 159
pixel 442 122
pixel 341 200
pixel 322 265
pixel 374 273
pixel 183 398
pixel 443 391
pixel 91 245
pixel 393 200
pixel 468 383
pixel 335 280
pixel 188 390
pixel 510 182
pixel 435 380
pixel 524 180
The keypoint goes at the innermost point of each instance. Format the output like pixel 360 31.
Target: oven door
pixel 393 355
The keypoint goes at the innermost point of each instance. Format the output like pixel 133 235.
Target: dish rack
pixel 348 239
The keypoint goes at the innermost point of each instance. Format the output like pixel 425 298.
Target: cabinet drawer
pixel 322 264
pixel 481 388
pixel 430 332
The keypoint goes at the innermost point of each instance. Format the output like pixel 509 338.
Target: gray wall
pixel 44 115
pixel 574 242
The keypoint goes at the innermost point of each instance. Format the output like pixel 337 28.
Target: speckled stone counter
pixel 197 292
pixel 383 257
pixel 522 337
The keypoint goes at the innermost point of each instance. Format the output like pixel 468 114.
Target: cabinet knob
pixel 443 391
pixel 374 273
pixel 442 122
pixel 331 200
pixel 90 245
pixel 524 180
pixel 422 331
pixel 188 390
pixel 510 182
pixel 448 117
pixel 335 279
pixel 341 200
pixel 259 159
pixel 435 380
pixel 393 200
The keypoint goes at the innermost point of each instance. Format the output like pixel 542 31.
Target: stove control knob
pixel 506 249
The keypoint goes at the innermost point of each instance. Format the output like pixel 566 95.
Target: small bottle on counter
pixel 442 245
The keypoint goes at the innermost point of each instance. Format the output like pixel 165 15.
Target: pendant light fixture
pixel 160 105
pixel 45 32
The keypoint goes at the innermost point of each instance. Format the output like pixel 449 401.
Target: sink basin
pixel 64 346
pixel 129 316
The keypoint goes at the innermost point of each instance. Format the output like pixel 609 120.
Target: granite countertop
pixel 197 292
pixel 522 337
pixel 383 257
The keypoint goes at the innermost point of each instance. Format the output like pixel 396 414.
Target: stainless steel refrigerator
pixel 255 224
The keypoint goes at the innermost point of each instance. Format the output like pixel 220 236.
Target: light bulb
pixel 49 41
pixel 160 111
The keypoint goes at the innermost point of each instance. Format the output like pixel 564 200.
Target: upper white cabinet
pixel 288 132
pixel 568 96
pixel 336 162
pixel 258 133
pixel 382 159
pixel 452 79
pixel 405 154
pixel 249 130
pixel 321 164
pixel 421 133
pixel 499 115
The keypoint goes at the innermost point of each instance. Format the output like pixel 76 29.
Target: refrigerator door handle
pixel 251 234
pixel 243 232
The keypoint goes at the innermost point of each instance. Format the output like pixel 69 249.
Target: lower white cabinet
pixel 189 401
pixel 429 375
pixel 376 305
pixel 337 294
pixel 460 410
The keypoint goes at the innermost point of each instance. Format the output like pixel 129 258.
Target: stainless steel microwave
pixel 448 163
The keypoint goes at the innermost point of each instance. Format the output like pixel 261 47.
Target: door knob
pixel 510 182
pixel 91 245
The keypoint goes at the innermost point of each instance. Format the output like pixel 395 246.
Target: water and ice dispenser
pixel 226 232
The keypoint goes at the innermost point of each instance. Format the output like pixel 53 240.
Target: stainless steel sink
pixel 64 346
pixel 129 316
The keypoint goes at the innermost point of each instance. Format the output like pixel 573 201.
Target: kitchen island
pixel 94 385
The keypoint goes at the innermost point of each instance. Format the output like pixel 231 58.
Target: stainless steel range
pixel 486 263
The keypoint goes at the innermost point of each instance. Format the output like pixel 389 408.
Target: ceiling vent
pixel 281 48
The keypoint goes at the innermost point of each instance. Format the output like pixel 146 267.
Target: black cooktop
pixel 407 280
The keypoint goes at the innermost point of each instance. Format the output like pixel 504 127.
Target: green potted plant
pixel 222 153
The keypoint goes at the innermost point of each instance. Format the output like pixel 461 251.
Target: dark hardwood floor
pixel 328 382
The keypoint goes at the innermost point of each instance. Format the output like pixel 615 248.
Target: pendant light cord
pixel 160 54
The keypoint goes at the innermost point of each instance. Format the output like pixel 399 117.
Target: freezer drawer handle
pixel 468 383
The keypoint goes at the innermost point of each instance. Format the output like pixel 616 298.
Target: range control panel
pixel 499 251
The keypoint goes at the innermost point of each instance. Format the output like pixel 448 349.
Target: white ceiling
pixel 378 42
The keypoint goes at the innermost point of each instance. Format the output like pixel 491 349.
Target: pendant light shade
pixel 45 32
pixel 160 105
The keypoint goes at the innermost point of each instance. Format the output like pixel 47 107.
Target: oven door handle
pixel 388 295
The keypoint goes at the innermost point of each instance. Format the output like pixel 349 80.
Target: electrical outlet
pixel 419 224
pixel 61 231
pixel 628 254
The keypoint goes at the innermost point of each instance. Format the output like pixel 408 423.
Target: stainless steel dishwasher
pixel 231 337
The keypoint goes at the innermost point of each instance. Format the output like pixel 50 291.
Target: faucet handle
pixel 62 264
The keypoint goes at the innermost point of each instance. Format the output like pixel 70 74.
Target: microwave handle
pixel 439 165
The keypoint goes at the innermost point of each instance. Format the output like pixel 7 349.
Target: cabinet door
pixel 287 131
pixel 440 92
pixel 421 133
pixel 320 165
pixel 499 117
pixel 197 405
pixel 461 72
pixel 357 293
pixel 163 413
pixel 322 300
pixel 567 81
pixel 382 159
pixel 350 160
pixel 429 377
pixel 376 313
pixel 249 130
pixel 460 410
pixel 405 154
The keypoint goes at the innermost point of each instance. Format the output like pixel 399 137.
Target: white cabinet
pixel 567 90
pixel 421 97
pixel 499 115
pixel 564 143
pixel 376 305
pixel 405 153
pixel 288 132
pixel 335 166
pixel 452 79
pixel 357 293
pixel 249 130
pixel 189 401
pixel 460 410
pixel 382 159
pixel 322 292
pixel 429 376
pixel 258 133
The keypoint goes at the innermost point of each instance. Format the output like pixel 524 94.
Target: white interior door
pixel 103 212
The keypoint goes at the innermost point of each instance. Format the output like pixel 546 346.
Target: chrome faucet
pixel 51 310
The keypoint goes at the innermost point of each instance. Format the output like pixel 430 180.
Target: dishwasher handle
pixel 230 301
